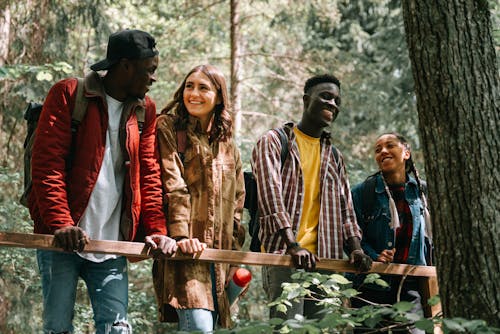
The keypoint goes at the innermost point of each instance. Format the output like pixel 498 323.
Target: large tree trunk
pixel 456 84
pixel 235 65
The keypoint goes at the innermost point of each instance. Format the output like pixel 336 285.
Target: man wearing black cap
pixel 95 183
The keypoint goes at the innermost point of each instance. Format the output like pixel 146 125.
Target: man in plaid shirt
pixel 305 206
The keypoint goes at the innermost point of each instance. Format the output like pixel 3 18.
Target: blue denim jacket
pixel 377 234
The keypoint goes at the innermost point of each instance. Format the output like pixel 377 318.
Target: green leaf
pixel 275 321
pixel 339 279
pixel 425 324
pixel 412 317
pixel 453 325
pixel 381 282
pixel 281 308
pixel 370 278
pixel 433 301
pixel 293 294
pixel 350 292
pixel 403 306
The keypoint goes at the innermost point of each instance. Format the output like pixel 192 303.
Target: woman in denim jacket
pixel 391 210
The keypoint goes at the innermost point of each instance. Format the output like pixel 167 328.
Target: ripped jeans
pixel 107 286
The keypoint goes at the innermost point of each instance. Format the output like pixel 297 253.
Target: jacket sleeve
pixel 357 197
pixel 51 149
pixel 177 199
pixel 152 213
pixel 266 167
pixel 238 229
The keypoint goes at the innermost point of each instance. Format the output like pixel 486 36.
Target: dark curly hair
pixel 223 123
pixel 318 79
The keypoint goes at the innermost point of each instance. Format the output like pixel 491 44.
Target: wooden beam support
pixel 141 251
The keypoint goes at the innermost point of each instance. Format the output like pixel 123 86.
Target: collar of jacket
pixel 325 135
pixel 380 184
pixel 194 124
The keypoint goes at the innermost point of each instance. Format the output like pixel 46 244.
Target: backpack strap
pixel 140 113
pixel 77 115
pixel 335 153
pixel 369 198
pixel 81 103
pixel 284 145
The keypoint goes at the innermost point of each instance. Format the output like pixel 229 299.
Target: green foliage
pixel 337 317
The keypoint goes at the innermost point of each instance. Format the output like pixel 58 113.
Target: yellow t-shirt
pixel 310 150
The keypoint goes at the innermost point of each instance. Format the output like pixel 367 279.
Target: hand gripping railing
pixel 139 250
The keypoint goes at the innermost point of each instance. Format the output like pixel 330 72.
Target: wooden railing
pixel 139 250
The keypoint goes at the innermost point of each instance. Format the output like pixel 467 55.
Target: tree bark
pixel 456 84
pixel 235 65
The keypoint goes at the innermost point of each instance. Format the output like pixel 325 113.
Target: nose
pixel 332 103
pixel 195 91
pixel 383 150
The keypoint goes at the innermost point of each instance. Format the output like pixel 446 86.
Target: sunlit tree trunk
pixel 457 88
pixel 4 33
pixel 235 65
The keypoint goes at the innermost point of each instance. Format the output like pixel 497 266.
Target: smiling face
pixel 391 154
pixel 321 105
pixel 200 96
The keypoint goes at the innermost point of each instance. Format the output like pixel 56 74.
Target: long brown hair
pixel 223 123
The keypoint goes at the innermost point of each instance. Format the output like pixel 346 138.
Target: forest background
pixel 267 49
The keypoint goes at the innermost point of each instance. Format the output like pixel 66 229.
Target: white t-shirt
pixel 101 218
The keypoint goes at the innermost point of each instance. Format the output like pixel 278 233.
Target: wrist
pixel 292 245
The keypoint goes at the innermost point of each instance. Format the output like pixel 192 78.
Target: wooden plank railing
pixel 141 251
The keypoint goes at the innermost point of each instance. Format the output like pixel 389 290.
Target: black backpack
pixel 31 115
pixel 251 202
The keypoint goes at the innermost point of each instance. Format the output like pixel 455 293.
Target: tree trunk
pixel 235 65
pixel 4 34
pixel 456 84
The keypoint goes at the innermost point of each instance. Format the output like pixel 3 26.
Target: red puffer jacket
pixel 59 197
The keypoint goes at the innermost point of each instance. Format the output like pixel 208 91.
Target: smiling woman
pixel 204 194
pixel 396 223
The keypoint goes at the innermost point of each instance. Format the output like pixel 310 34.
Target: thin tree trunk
pixel 235 65
pixel 4 34
pixel 456 83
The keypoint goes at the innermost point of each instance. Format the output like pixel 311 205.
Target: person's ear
pixel 126 64
pixel 306 99
pixel 406 154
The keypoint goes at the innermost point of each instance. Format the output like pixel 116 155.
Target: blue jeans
pixel 199 319
pixel 107 286
pixel 195 319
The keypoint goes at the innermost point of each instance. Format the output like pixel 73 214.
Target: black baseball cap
pixel 130 44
